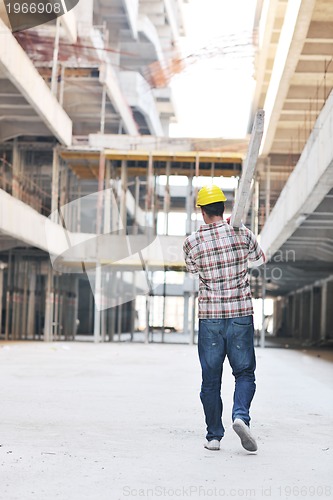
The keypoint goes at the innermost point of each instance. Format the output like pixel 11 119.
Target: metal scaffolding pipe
pixel 55 186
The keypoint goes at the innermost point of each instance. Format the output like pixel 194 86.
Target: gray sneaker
pixel 243 431
pixel 214 444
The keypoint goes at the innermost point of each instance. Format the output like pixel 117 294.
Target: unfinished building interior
pixel 96 198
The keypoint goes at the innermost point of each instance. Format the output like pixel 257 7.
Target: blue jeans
pixel 217 338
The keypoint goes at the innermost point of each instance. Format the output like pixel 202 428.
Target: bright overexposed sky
pixel 213 93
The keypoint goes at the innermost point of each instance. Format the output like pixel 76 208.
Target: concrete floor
pixel 115 421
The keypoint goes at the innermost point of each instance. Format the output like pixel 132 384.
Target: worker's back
pixel 220 255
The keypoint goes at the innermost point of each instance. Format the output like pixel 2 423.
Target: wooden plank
pixel 248 170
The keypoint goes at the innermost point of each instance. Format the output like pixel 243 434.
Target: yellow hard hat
pixel 210 194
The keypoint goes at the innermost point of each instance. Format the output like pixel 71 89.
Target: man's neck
pixel 213 219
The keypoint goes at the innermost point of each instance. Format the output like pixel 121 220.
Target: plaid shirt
pixel 220 256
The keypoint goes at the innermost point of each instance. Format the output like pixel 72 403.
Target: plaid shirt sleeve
pixel 255 252
pixel 189 261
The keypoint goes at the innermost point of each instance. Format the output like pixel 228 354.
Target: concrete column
pixel 147 319
pixel 136 205
pixel 97 296
pixel 316 310
pixel 114 210
pixel 327 311
pixel 49 306
pixel 78 220
pixel 54 76
pixel 103 105
pixel 305 320
pixel 75 289
pixel 297 313
pixel 103 325
pixel 149 192
pixel 107 199
pixel 16 298
pixel 9 296
pixel 112 316
pixel 16 167
pixel 31 302
pixel 123 182
pixel 186 311
pixel 120 306
pixel 166 202
pixel 63 192
pixel 57 318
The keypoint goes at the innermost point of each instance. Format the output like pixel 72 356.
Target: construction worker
pixel 220 255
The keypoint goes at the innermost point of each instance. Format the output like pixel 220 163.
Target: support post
pixel 16 166
pixel 123 183
pixel 166 202
pixel 98 271
pixel 189 205
pixel 136 205
pixel 55 186
pixel 147 319
pixel 255 208
pixel 103 105
pixel 149 191
pixel 31 302
pixel 193 319
pixel 49 305
pixel 54 76
pixel 107 199
pixel 323 316
pixel 263 296
pixel 97 302
pixel 186 311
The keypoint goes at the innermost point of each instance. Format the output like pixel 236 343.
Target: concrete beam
pixel 23 223
pixel 147 28
pixel 139 95
pixel 132 9
pixel 295 27
pixel 20 70
pixel 109 78
pixel 314 172
pixel 69 22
